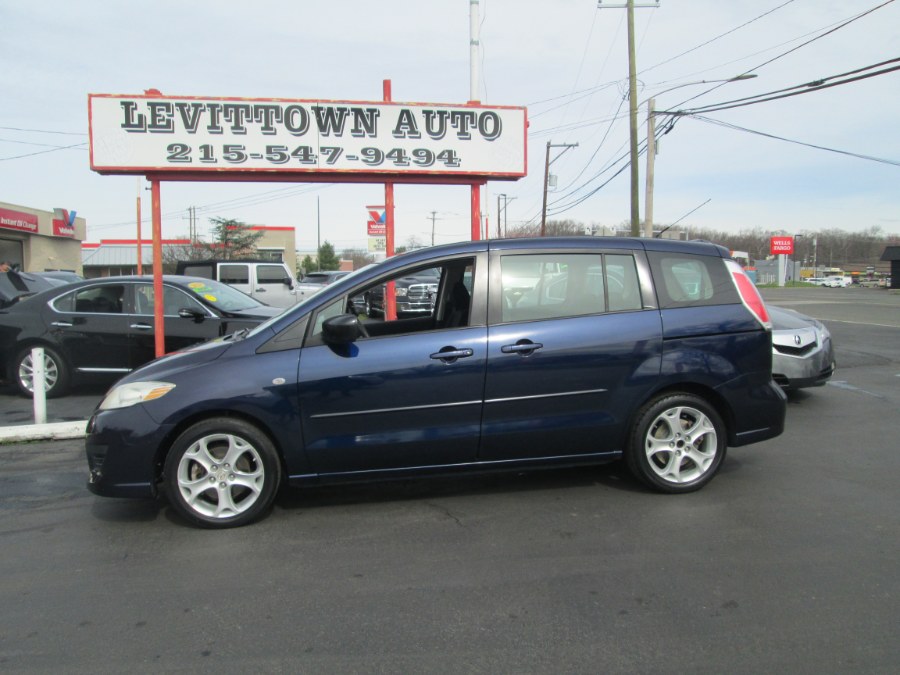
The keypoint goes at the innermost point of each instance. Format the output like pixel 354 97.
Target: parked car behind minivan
pixel 653 351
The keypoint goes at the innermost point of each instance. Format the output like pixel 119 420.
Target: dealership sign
pixel 150 133
pixel 779 245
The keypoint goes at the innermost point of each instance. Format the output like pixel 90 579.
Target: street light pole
pixel 651 163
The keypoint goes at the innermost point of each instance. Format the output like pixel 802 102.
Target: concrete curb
pixel 43 432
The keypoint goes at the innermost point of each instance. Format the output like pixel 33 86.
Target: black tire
pixel 221 473
pixel 677 443
pixel 56 373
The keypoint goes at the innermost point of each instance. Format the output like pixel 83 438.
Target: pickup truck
pixel 268 281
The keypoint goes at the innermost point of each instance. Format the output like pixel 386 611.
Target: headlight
pixel 126 395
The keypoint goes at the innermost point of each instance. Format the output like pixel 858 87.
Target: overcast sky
pixel 565 60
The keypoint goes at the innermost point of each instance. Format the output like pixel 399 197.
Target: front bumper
pixel 808 364
pixel 121 448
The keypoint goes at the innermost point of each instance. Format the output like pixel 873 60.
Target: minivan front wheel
pixel 222 473
pixel 677 443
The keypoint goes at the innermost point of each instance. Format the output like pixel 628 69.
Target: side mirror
pixel 287 282
pixel 186 313
pixel 341 329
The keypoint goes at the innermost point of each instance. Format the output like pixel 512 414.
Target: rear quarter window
pixel 684 280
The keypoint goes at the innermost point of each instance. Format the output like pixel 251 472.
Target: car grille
pixel 796 351
pixel 421 292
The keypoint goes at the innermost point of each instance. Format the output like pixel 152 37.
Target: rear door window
pixel 553 285
pixel 92 300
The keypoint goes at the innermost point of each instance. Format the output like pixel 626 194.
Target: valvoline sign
pixel 63 223
pixel 781 245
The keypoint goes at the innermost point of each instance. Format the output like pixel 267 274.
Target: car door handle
pixel 451 354
pixel 260 290
pixel 62 324
pixel 141 326
pixel 523 347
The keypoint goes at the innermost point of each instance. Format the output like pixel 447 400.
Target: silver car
pixel 314 282
pixel 802 350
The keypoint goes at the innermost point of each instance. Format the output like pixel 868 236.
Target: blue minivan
pixel 536 352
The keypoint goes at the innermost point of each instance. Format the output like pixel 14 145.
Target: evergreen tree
pixel 328 261
pixel 308 265
pixel 232 239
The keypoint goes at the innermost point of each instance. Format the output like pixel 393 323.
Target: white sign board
pixel 150 133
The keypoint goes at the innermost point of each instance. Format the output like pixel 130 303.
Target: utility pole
pixel 632 117
pixel 651 145
pixel 502 215
pixel 433 218
pixel 547 163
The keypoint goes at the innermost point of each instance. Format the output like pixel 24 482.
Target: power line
pixel 46 131
pixel 796 142
pixel 796 90
pixel 801 45
pixel 718 37
pixel 43 152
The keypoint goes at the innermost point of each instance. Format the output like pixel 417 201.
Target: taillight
pixel 749 294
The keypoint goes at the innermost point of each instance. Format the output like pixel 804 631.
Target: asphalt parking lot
pixel 786 562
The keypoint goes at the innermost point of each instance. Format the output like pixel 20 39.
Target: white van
pixel 267 281
pixel 838 282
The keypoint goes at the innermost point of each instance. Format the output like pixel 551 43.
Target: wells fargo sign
pixel 781 245
pixel 141 134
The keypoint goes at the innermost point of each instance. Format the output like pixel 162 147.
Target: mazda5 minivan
pixel 536 353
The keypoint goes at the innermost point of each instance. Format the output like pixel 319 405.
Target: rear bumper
pixel 761 411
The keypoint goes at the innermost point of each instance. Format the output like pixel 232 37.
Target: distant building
pixel 892 254
pixel 112 257
pixel 36 241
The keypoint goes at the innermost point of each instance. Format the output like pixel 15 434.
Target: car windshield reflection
pixel 222 296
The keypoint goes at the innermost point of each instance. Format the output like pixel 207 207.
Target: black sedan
pixel 15 286
pixel 105 327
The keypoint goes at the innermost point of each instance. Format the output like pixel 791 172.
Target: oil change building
pixel 36 241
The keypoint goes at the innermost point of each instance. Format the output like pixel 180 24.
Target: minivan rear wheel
pixel 677 443
pixel 222 472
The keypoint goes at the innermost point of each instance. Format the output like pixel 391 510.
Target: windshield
pixel 221 296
